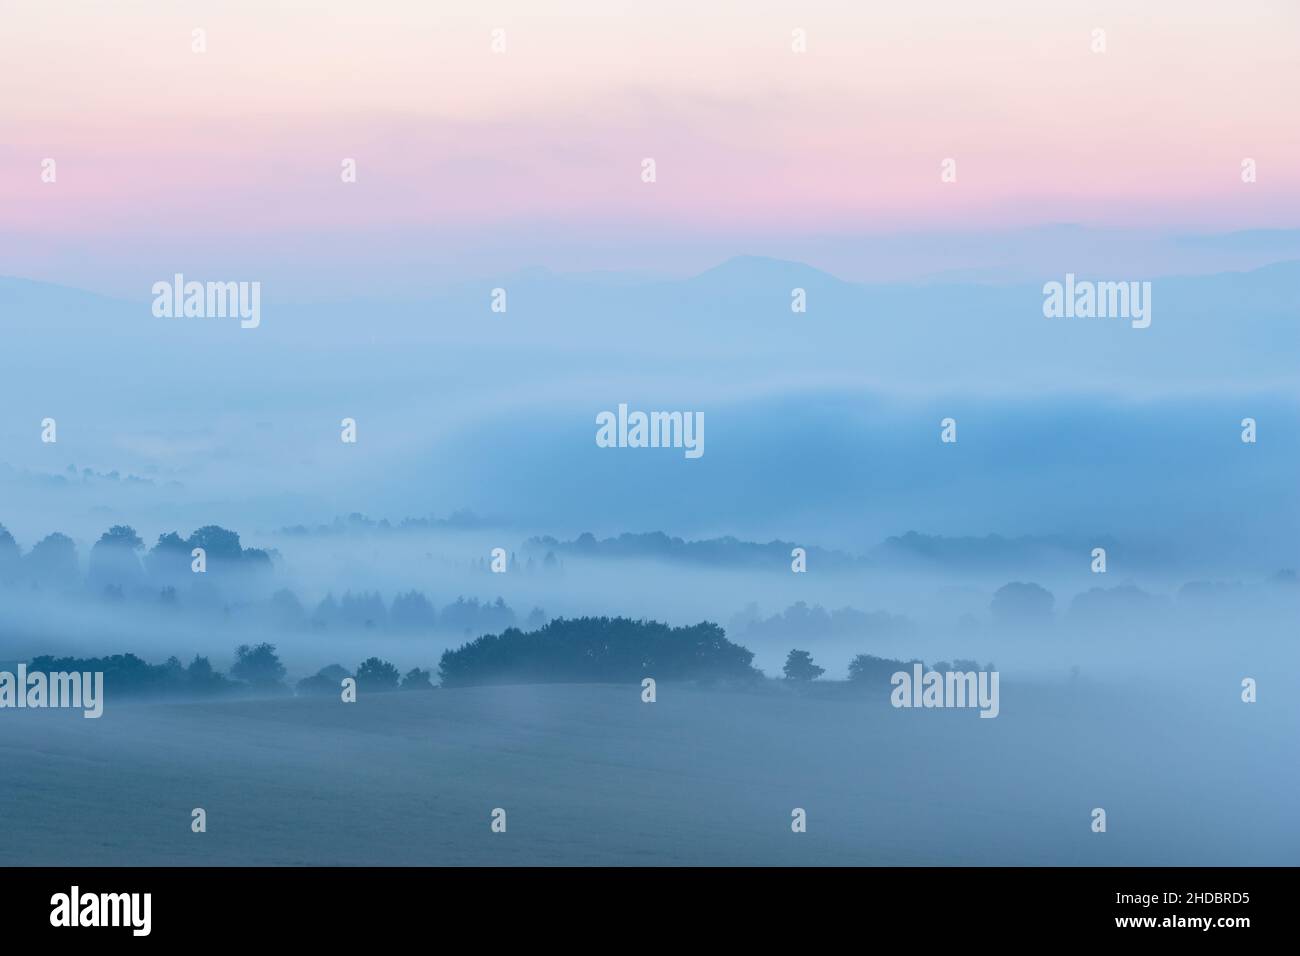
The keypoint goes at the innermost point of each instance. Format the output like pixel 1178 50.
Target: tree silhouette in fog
pixel 377 675
pixel 126 675
pixel 327 681
pixel 113 560
pixel 417 679
pixel 10 557
pixel 598 649
pixel 53 562
pixel 867 669
pixel 168 561
pixel 799 666
pixel 1019 604
pixel 219 543
pixel 258 666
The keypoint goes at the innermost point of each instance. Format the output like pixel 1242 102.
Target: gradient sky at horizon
pixel 470 162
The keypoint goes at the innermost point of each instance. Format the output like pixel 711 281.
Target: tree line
pixel 257 668
pixel 119 561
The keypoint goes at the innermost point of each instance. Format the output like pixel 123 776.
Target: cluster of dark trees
pixel 257 668
pixel 579 650
pixel 372 674
pixel 800 620
pixel 128 675
pixel 865 668
pixel 598 649
pixel 119 563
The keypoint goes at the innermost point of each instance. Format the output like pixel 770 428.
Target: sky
pixel 472 162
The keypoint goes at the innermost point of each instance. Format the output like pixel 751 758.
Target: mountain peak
pixel 763 269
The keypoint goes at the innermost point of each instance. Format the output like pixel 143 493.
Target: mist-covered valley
pixel 925 474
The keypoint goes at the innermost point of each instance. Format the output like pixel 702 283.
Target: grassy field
pixel 591 775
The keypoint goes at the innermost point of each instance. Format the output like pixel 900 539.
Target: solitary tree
pixel 799 666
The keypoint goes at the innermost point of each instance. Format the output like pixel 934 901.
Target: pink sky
pixel 233 156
